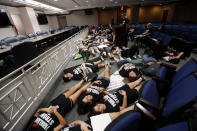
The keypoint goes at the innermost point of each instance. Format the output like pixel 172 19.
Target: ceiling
pixel 84 4
pixel 69 5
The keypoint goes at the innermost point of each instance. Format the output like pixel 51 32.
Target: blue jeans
pixel 147 59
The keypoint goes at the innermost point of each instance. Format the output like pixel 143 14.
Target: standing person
pixel 125 23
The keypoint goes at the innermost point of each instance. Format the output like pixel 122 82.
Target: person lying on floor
pixel 92 47
pixel 94 92
pixel 132 52
pixel 127 69
pixel 82 70
pixel 92 124
pixel 51 118
pixel 118 100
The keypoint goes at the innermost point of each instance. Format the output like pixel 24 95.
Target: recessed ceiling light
pixel 39 5
pixel 86 1
pixel 116 2
pixel 111 0
pixel 55 0
pixel 76 6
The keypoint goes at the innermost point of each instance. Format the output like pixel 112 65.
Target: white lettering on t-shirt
pixel 44 121
pixel 47 117
pixel 65 129
pixel 129 67
pixel 77 71
pixel 112 99
pixel 93 89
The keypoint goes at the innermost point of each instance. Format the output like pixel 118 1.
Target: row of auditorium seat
pixel 169 117
pixel 18 38
pixel 186 32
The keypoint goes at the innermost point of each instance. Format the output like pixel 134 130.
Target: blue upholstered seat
pixel 150 92
pixel 21 37
pixel 9 40
pixel 186 69
pixel 130 122
pixel 180 95
pixel 31 35
pixel 181 126
pixel 40 33
pixel 162 72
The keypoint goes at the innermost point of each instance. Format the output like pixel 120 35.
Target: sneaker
pixel 129 59
pixel 139 56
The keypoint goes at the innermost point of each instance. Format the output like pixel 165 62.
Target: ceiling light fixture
pixel 38 4
pixel 87 1
pixel 116 2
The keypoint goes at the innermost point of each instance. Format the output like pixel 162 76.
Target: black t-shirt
pixel 90 67
pixel 75 128
pixel 132 94
pixel 113 102
pixel 124 72
pixel 77 74
pixel 45 122
pixel 93 91
pixel 65 104
pixel 125 23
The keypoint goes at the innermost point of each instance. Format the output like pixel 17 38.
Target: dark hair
pixel 93 112
pixel 83 108
pixel 113 48
pixel 65 79
pixel 174 61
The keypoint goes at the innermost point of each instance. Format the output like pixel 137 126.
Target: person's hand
pixel 101 89
pixel 53 109
pixel 97 82
pixel 122 92
pixel 84 126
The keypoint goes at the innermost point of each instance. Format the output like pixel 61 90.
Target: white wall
pixel 53 22
pixel 30 22
pixel 79 18
pixel 14 17
pixel 6 32
pixel 25 21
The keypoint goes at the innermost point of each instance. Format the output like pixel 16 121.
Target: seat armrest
pixel 149 104
pixel 169 66
pixel 145 111
pixel 158 79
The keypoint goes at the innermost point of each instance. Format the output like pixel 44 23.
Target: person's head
pixel 67 77
pixel 134 73
pixel 99 108
pixel 85 103
pixel 149 26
